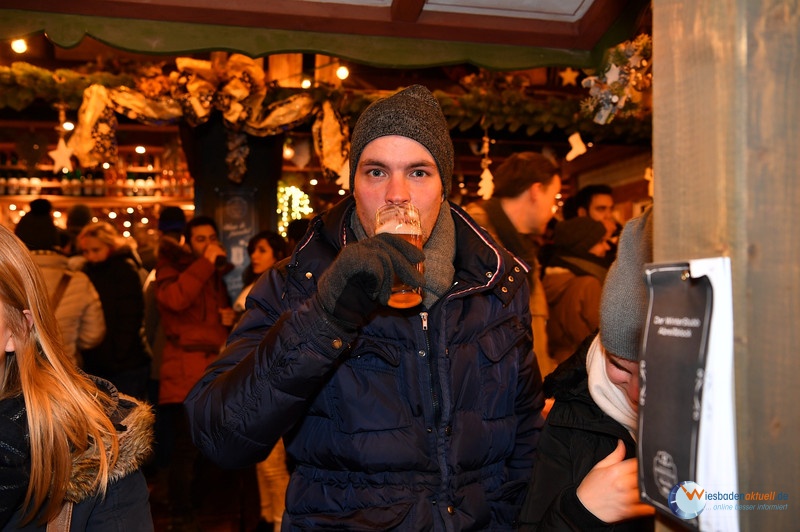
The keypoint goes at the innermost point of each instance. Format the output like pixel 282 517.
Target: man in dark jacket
pixel 417 419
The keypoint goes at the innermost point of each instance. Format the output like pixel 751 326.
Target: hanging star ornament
pixel 61 157
pixel 569 76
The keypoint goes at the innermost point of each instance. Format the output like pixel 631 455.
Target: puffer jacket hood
pixel 133 420
pixel 175 253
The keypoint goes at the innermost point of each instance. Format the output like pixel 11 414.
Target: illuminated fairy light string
pixel 293 204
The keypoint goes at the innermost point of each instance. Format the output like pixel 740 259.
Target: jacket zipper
pixel 433 371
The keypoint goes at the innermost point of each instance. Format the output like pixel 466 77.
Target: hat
pixel 78 216
pixel 172 220
pixel 413 113
pixel 579 234
pixel 36 229
pixel 518 172
pixel 624 301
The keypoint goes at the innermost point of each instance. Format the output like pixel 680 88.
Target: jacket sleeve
pixel 177 290
pixel 275 362
pixel 552 502
pixel 92 328
pixel 528 409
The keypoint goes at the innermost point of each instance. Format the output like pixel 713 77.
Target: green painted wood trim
pixel 146 36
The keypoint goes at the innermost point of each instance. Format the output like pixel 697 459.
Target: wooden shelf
pixel 98 201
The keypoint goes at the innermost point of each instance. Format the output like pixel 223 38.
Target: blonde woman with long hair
pixel 116 272
pixel 71 446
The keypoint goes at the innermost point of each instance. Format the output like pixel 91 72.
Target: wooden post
pixel 726 158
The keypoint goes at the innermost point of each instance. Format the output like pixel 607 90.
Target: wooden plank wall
pixel 726 155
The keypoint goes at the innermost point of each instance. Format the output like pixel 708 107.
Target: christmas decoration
pixel 236 86
pixel 62 155
pixel 293 204
pixel 569 76
pixel 331 140
pixel 486 185
pixel 577 145
pixel 617 89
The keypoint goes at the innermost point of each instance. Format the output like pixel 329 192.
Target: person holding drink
pixel 417 418
pixel 196 314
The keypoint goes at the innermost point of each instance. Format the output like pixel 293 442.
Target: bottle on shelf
pixel 87 185
pixel 99 183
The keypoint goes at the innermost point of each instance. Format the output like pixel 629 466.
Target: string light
pixel 293 204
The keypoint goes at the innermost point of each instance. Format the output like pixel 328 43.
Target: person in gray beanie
pixel 413 113
pixel 424 418
pixel 623 307
pixel 585 476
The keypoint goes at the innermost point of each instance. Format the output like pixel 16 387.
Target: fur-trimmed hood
pixel 173 252
pixel 133 420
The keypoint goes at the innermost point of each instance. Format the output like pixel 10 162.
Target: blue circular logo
pixel 687 499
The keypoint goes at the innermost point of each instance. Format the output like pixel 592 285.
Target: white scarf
pixel 608 396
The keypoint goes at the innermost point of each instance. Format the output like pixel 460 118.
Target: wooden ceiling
pixel 503 34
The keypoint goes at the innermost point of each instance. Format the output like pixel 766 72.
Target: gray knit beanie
pixel 623 304
pixel 413 113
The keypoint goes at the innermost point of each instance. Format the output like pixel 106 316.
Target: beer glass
pixel 403 220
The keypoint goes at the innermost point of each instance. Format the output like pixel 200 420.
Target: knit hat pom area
pixel 414 113
pixel 624 301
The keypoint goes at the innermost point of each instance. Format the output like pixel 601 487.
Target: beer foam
pixel 398 228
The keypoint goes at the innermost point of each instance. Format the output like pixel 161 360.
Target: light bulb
pixel 342 72
pixel 19 46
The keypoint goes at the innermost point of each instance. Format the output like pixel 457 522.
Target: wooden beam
pixel 406 10
pixel 726 164
pixel 404 19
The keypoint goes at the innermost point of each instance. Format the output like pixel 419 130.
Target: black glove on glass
pixel 361 277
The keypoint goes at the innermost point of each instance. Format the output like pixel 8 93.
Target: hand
pixel 213 251
pixel 360 278
pixel 227 316
pixel 611 489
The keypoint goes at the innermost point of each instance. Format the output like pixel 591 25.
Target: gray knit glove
pixel 360 278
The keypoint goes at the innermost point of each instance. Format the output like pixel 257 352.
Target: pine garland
pixel 500 101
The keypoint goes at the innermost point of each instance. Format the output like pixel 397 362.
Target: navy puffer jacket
pixel 423 420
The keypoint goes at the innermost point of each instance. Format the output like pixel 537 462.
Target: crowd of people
pixel 506 400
